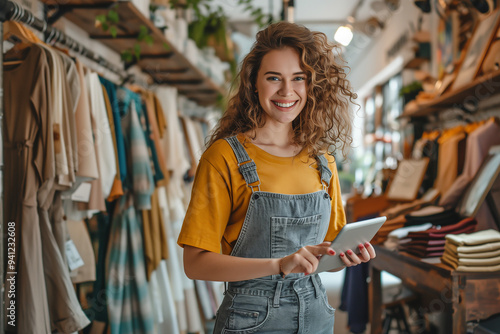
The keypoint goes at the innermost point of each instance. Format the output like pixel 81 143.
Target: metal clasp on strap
pixel 249 171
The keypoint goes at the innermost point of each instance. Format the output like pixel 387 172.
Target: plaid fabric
pixel 129 304
pixel 140 174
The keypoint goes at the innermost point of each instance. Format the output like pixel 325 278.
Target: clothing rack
pixel 12 11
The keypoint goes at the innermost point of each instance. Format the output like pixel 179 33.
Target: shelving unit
pixel 161 60
pixel 481 88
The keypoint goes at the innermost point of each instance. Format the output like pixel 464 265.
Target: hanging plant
pixel 107 22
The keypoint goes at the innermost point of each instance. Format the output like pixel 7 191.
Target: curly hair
pixel 325 123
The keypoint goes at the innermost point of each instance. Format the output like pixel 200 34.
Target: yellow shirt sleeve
pixel 209 210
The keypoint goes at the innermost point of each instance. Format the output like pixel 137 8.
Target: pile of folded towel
pixel 478 251
pixel 431 242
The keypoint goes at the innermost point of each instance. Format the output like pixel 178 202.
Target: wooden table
pixel 463 296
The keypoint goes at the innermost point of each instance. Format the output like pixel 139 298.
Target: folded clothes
pixel 426 211
pixel 439 217
pixel 402 232
pixel 492 261
pixel 427 242
pixel 477 238
pixel 389 226
pixel 464 226
pixel 423 247
pixel 480 255
pixel 457 267
pixel 440 235
pixel 489 247
pixel 422 254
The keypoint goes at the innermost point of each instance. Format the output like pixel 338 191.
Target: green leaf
pixel 166 46
pixel 101 18
pixel 105 26
pixel 113 31
pixel 126 56
pixel 113 16
pixel 143 32
pixel 149 40
pixel 137 51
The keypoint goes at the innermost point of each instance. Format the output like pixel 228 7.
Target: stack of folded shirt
pixel 435 215
pixel 389 226
pixel 430 243
pixel 399 236
pixel 479 251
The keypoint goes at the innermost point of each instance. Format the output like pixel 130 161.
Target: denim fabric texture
pixel 277 225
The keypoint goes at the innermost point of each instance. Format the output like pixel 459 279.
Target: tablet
pixel 349 237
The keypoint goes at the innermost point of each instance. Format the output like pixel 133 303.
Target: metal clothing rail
pixel 11 11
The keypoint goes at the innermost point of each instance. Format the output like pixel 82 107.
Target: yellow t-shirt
pixel 220 196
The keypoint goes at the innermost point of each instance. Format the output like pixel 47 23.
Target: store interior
pixel 82 255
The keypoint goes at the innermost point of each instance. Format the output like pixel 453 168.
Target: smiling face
pixel 282 86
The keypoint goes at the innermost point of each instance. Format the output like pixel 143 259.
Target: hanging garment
pixel 155 243
pixel 69 94
pixel 478 144
pixel 116 188
pixel 173 265
pixel 80 236
pixel 65 311
pixel 170 323
pixel 57 75
pixel 277 225
pixel 87 163
pixel 151 115
pixel 29 160
pixel 102 134
pixel 451 159
pixel 173 141
pixel 140 174
pixel 120 144
pixel 129 305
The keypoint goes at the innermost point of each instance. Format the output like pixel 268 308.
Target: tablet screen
pixel 350 237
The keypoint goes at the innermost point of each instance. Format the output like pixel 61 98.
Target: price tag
pixel 74 258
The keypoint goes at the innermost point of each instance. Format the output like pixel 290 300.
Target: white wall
pixel 373 58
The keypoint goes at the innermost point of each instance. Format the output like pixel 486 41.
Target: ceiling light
pixel 343 35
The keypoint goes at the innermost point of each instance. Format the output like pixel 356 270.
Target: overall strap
pixel 246 165
pixel 325 172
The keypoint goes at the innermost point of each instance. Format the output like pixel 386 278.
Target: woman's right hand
pixel 306 259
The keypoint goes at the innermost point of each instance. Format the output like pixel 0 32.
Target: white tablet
pixel 349 237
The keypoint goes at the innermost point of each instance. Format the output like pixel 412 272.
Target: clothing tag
pixel 82 193
pixel 74 258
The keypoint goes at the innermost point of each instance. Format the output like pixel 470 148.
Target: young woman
pixel 266 196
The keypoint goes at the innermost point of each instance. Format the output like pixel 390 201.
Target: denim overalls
pixel 277 225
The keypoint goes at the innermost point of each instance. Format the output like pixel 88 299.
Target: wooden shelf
pixel 161 60
pixel 481 88
pixel 415 63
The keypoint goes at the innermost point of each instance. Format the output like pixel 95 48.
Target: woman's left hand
pixel 367 252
